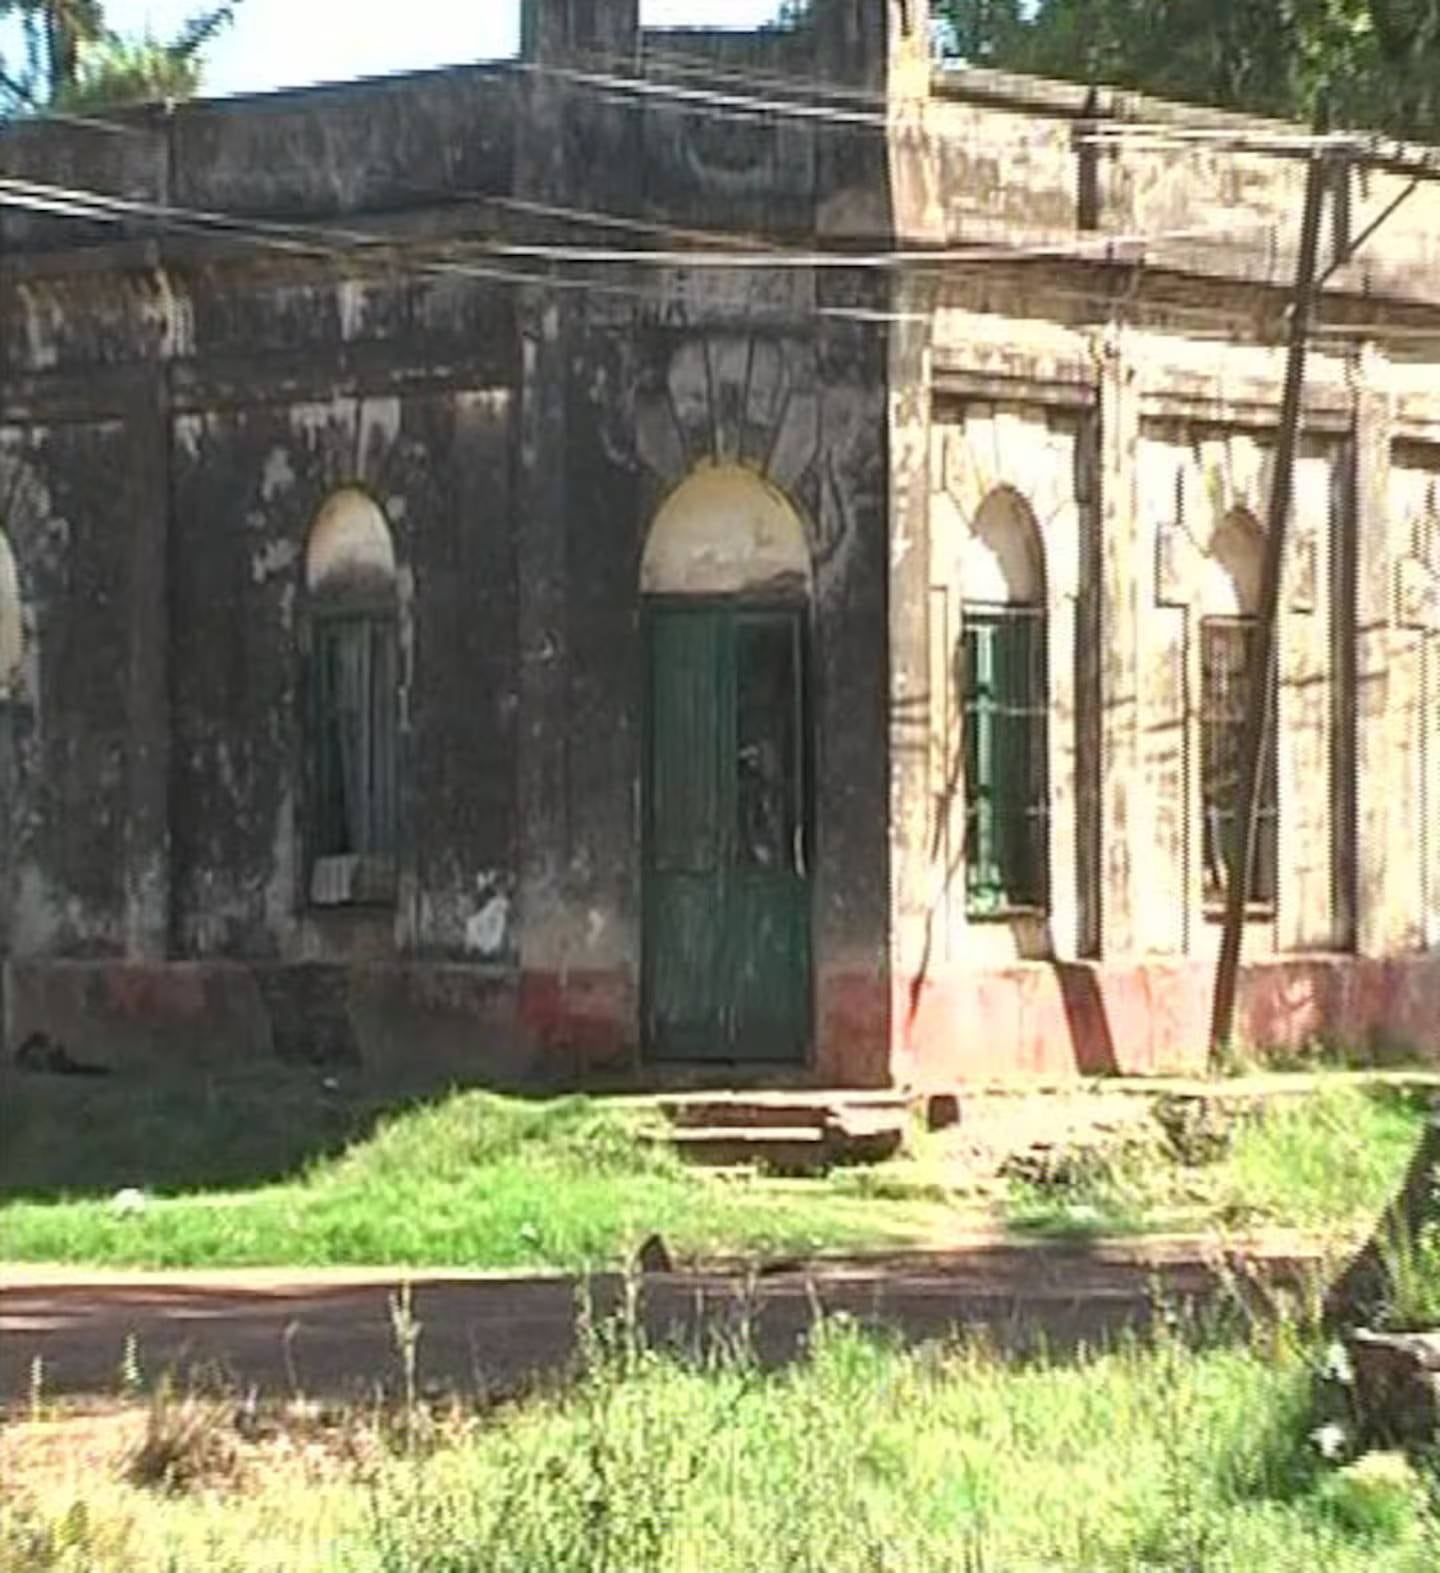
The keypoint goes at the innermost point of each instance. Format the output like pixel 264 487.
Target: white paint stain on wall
pixel 379 431
pixel 274 558
pixel 176 317
pixel 278 476
pixel 488 929
pixel 312 423
pixel 350 302
pixel 40 315
pixel 189 433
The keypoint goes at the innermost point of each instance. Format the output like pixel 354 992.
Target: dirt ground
pixel 331 1335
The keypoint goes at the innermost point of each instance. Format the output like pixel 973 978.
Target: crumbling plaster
pixel 1187 435
pixel 177 410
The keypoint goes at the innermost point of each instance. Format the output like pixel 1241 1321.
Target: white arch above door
pixel 725 531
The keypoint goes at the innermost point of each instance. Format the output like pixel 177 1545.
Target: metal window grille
pixel 1226 685
pixel 354 736
pixel 1007 812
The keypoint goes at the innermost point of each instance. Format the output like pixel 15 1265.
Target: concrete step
pixel 793 1110
pixel 844 1136
pixel 777 1149
pixel 866 1144
pixel 787 1131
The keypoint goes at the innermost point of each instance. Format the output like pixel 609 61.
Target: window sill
pixel 1255 912
pixel 1006 914
pixel 353 880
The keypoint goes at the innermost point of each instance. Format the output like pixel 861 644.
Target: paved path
pixel 329 1334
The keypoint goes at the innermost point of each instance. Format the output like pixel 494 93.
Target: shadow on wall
pixel 1092 1045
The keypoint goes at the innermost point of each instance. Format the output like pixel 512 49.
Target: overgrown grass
pixel 474 1180
pixel 1328 1161
pixel 316 1178
pixel 862 1458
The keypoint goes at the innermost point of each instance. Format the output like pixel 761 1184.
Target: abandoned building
pixel 699 553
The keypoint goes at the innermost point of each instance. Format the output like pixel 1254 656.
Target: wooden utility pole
pixel 1259 728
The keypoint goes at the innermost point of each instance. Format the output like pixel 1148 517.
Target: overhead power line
pixel 83 203
pixel 345 244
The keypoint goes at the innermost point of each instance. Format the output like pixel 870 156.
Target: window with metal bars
pixel 1007 798
pixel 1226 685
pixel 354 705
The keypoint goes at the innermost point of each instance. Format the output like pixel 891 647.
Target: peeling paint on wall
pixel 41 317
pixel 176 317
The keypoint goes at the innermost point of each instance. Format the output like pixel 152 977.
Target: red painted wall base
pixel 1145 1018
pixel 439 1023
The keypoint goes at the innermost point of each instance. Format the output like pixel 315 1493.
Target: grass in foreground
pixel 861 1458
pixel 276 1171
pixel 472 1181
pixel 1328 1162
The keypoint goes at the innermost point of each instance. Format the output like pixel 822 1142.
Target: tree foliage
pixel 72 59
pixel 1377 60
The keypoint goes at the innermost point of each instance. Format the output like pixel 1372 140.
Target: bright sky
pixel 287 43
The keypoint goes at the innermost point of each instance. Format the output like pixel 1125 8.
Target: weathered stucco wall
pixel 654 401
pixel 1414 675
pixel 1191 478
pixel 981 451
pixel 72 492
pixel 177 407
pixel 1185 443
pixel 1034 160
pixel 517 441
pixel 248 485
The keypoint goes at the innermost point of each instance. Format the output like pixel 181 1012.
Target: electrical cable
pixel 87 204
pixel 1127 249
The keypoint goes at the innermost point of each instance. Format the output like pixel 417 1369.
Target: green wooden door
pixel 727 897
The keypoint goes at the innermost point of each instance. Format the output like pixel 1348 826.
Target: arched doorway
pixel 727 839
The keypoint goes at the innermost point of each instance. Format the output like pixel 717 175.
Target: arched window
pixel 350 580
pixel 1230 597
pixel 1005 697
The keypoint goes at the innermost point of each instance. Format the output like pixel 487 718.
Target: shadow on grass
pixel 73 1137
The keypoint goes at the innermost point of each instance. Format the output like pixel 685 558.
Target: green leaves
pixel 1379 58
pixel 72 58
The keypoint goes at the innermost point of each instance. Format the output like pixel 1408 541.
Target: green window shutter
pixel 685 717
pixel 353 732
pixel 381 753
pixel 982 873
pixel 1012 754
pixel 327 744
pixel 1005 722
